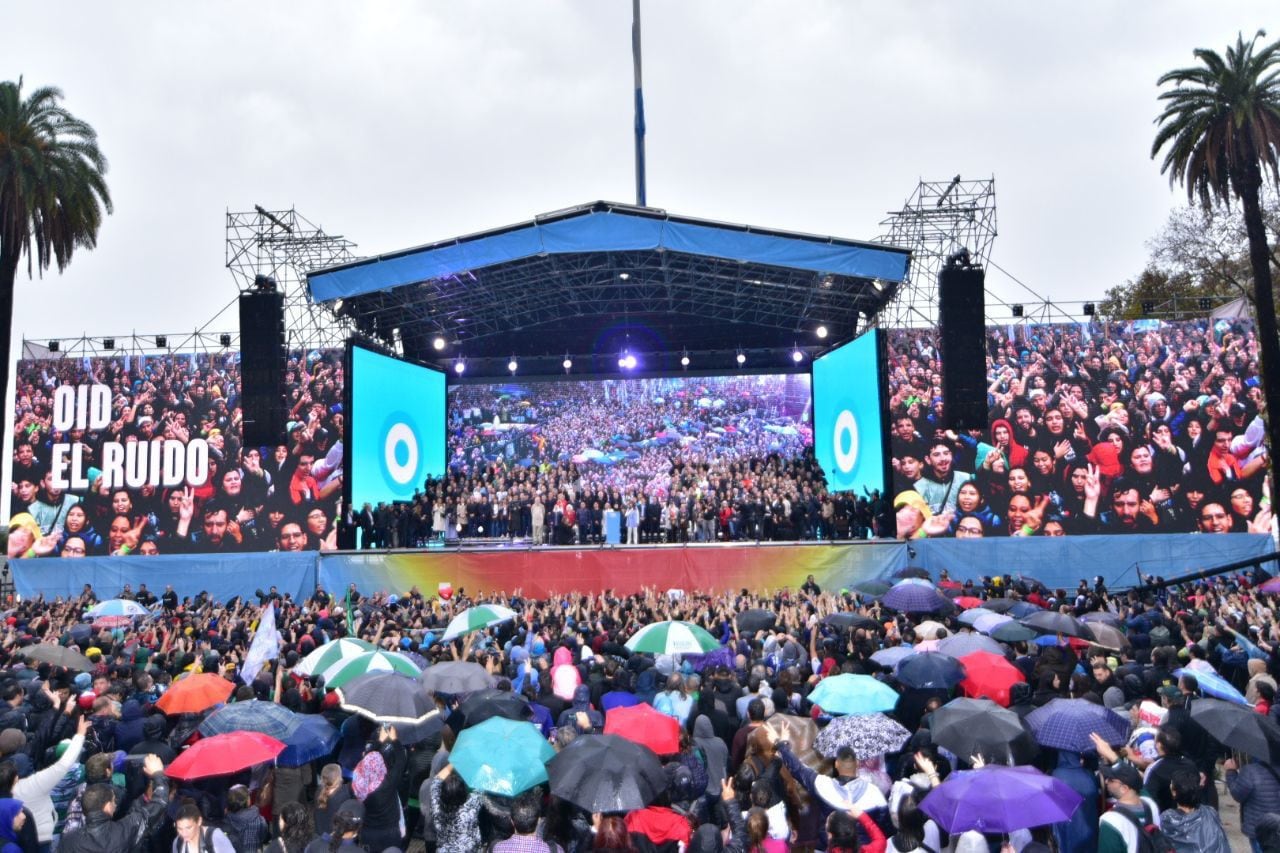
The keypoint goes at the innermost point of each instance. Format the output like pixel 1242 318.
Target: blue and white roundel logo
pixel 844 439
pixel 401 455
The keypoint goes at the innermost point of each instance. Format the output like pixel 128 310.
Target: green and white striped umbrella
pixel 343 671
pixel 476 619
pixel 330 653
pixel 672 638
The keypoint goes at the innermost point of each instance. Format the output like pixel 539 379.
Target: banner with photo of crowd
pixel 1134 427
pixel 141 454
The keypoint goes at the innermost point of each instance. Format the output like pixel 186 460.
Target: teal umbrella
pixel 853 694
pixel 501 756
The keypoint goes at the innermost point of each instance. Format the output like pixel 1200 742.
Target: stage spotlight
pixel 567 364
pixel 224 339
pixel 797 356
pixel 625 276
pixel 1017 310
pixel 161 342
pixel 54 346
pixel 629 361
pixel 684 359
pixel 742 357
pixel 1206 303
pixel 821 332
pixel 1089 309
pixel 511 365
pixel 438 343
pixel 337 306
pixel 459 367
pixel 1148 307
pixel 108 343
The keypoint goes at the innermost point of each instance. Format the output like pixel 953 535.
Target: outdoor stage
pixel 1058 562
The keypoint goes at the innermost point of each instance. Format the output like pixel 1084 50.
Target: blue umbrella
pixel 266 718
pixel 1212 684
pixel 501 756
pixel 930 671
pixel 888 658
pixel 618 699
pixel 916 597
pixel 853 694
pixel 1067 723
pixel 314 738
pixel 117 607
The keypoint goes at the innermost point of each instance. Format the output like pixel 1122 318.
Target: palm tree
pixel 52 193
pixel 1221 126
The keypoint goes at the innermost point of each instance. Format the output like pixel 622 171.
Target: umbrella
pixel 999 799
pixel 1240 728
pixel 618 699
pixel 1106 635
pixel 343 671
pixel 872 588
pixel 503 757
pixel 195 693
pixel 1067 723
pixel 758 619
pixel 112 622
pixel 967 601
pixel 847 621
pixel 868 735
pixel 606 773
pixel 981 727
pixel 853 694
pixel 967 643
pixel 1104 616
pixel 1012 632
pixel 455 677
pixel 223 754
pixel 913 572
pixel 801 733
pixel 970 617
pixel 57 656
pixel 888 658
pixel 266 718
pixel 643 725
pixel 315 737
pixel 387 697
pixel 1023 609
pixel 117 607
pixel 1052 622
pixel 989 675
pixel 672 638
pixel 493 703
pixel 929 629
pixel 80 633
pixel 915 598
pixel 1212 684
pixel 930 671
pixel 1000 605
pixel 986 621
pixel 476 619
pixel 327 655
pixel 1270 587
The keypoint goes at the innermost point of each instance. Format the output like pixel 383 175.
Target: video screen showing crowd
pixel 142 455
pixel 1134 427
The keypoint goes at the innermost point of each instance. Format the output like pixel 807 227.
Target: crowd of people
pixel 1136 427
pixel 255 498
pixel 757 764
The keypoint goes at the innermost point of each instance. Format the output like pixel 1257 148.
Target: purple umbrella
pixel 911 597
pixel 1000 799
pixel 1067 723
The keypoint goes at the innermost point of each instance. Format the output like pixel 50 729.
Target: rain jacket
pixel 1197 830
pixel 35 790
pixel 581 704
pixel 715 751
pixel 565 677
pixel 660 825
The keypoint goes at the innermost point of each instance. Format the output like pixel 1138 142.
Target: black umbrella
pixel 981 727
pixel 758 619
pixel 493 703
pixel 80 633
pixel 387 697
pixel 872 588
pixel 846 621
pixel 1106 635
pixel 1104 617
pixel 56 655
pixel 913 572
pixel 930 671
pixel 606 773
pixel 1011 632
pixel 1239 727
pixel 455 677
pixel 1051 622
pixel 999 605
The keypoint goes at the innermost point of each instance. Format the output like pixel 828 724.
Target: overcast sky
pixel 402 123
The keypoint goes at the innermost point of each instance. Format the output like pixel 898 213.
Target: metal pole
pixel 639 93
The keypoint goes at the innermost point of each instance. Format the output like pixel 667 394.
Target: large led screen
pixel 397 427
pixel 848 416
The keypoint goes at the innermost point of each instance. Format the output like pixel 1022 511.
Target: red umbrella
pixel 223 754
pixel 195 693
pixel 967 601
pixel 645 726
pixel 989 675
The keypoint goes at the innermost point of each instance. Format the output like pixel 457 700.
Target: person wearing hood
pixel 153 740
pixel 1079 834
pixel 709 838
pixel 1190 826
pixel 129 731
pixel 565 677
pixel 580 714
pixel 12 819
pixel 714 751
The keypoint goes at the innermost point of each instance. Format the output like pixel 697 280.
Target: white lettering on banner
pixel 81 407
pixel 135 464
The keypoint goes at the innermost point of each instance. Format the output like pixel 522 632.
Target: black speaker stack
pixel 962 322
pixel 262 361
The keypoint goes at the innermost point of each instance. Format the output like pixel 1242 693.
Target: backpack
pixel 1151 839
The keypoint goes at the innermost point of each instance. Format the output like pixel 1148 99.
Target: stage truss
pixel 939 219
pixel 284 245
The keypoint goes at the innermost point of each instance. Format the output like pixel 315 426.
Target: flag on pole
pixel 265 645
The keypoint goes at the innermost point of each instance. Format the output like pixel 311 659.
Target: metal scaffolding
pixel 937 220
pixel 284 245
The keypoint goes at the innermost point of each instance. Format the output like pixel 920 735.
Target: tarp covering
pixel 1236 309
pixel 609 231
